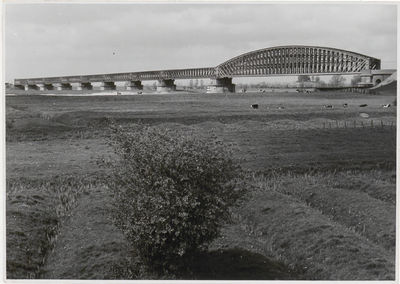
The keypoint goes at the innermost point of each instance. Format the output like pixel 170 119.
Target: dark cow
pixel 118 93
pixel 139 93
pixel 328 106
pixel 388 105
pixel 254 106
pixel 364 105
pixel 345 105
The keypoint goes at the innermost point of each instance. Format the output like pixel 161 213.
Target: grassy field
pixel 325 179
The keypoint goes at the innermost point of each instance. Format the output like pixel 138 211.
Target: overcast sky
pixel 48 39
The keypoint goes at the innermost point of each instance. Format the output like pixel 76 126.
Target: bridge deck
pixel 274 61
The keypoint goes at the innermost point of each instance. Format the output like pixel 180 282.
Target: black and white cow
pixel 388 105
pixel 345 105
pixel 254 106
pixel 328 106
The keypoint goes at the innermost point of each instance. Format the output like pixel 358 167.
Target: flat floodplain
pixel 324 208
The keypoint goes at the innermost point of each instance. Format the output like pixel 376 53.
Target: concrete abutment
pixel 371 78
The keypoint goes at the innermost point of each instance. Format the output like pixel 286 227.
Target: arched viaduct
pixel 273 61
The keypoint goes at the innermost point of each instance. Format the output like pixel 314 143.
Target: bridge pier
pixel 107 86
pixel 221 85
pixel 63 86
pixel 45 87
pixel 85 86
pixel 166 85
pixel 31 87
pixel 21 87
pixel 133 85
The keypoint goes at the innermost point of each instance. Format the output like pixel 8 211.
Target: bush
pixel 172 193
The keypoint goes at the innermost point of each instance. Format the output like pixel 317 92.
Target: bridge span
pixel 273 61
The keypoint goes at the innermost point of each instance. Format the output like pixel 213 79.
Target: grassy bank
pixel 323 208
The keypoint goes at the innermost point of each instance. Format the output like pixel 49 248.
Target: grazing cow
pixel 328 106
pixel 118 93
pixel 254 106
pixel 281 107
pixel 388 105
pixel 345 105
pixel 364 105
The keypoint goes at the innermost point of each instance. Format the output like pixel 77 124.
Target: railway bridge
pixel 273 61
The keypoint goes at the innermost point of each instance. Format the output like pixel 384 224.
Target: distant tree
pixel 355 80
pixel 155 85
pixel 196 84
pixel 337 81
pixel 191 84
pixel 317 79
pixel 201 84
pixel 303 78
pixel 321 84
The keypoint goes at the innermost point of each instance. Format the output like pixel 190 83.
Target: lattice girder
pixel 296 60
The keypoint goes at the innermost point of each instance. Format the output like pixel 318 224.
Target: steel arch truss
pixel 296 60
